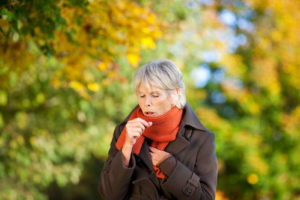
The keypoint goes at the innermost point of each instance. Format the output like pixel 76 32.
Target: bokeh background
pixel 66 70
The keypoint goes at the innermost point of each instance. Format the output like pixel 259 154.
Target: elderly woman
pixel 161 150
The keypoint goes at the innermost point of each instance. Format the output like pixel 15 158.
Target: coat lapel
pixel 145 155
pixel 178 144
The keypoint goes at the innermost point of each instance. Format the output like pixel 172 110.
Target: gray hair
pixel 164 74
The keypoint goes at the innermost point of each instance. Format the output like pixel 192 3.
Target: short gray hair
pixel 164 74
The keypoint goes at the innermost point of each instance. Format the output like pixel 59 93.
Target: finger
pixel 136 129
pixel 144 122
pixel 137 124
pixel 141 125
pixel 152 149
pixel 152 157
pixel 136 133
pixel 152 154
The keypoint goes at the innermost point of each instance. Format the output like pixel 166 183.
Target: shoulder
pixel 203 136
pixel 194 126
pixel 190 119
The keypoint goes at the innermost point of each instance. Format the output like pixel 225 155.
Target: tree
pixel 65 66
pixel 254 109
pixel 65 74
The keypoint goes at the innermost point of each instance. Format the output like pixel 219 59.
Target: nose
pixel 148 101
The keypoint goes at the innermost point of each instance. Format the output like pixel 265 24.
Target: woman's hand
pixel 158 156
pixel 134 129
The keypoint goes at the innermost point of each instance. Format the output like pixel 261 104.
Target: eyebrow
pixel 155 91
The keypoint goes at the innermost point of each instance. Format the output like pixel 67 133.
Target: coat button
pixel 188 191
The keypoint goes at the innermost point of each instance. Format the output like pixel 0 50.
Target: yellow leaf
pixel 276 35
pixel 93 87
pixel 146 30
pixel 157 33
pixel 151 18
pixel 76 85
pixel 103 66
pixel 252 179
pixel 148 42
pixel 3 98
pixel 133 59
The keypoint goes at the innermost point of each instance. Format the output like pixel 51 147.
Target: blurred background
pixel 66 71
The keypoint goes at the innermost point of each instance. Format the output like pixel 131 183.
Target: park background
pixel 66 71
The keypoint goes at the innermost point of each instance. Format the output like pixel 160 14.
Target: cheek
pixel 140 101
pixel 160 101
pixel 165 102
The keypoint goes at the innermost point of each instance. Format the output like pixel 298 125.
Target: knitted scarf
pixel 164 129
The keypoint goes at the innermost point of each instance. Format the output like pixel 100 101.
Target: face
pixel 153 100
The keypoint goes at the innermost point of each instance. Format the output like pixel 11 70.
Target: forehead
pixel 148 87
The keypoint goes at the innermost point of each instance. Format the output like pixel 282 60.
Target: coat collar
pixel 190 118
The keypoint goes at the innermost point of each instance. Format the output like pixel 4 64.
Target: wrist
pixel 127 147
pixel 126 151
pixel 126 154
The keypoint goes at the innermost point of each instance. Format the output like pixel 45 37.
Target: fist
pixel 158 156
pixel 134 129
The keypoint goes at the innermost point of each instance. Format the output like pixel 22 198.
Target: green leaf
pixel 9 16
pixel 3 98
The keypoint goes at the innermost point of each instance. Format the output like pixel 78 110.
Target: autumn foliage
pixel 66 71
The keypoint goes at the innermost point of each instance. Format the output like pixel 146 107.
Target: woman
pixel 161 150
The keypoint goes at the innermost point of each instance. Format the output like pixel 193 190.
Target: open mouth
pixel 149 113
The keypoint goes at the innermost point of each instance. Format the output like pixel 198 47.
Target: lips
pixel 149 113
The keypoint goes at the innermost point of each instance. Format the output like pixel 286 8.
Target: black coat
pixel 191 173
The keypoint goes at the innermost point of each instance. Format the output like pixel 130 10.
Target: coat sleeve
pixel 199 183
pixel 115 177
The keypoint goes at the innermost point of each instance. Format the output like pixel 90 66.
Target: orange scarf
pixel 164 129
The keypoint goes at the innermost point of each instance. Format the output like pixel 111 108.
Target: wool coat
pixel 190 173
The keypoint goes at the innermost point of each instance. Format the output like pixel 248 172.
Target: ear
pixel 175 92
pixel 175 96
